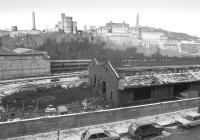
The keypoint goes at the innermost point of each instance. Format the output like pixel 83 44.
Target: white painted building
pixel 153 36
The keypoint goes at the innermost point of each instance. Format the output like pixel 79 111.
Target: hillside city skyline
pixel 177 16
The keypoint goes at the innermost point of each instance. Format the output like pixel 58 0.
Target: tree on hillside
pixel 157 54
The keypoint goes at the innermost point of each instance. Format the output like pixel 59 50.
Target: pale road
pixel 170 133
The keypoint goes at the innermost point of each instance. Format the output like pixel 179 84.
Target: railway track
pixel 55 76
pixel 68 65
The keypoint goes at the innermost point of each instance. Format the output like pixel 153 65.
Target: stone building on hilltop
pixel 67 24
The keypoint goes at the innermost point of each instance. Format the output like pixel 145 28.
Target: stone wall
pixel 33 126
pixel 20 66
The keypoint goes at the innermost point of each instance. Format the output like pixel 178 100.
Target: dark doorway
pixel 179 88
pixel 142 93
pixel 95 79
pixel 103 86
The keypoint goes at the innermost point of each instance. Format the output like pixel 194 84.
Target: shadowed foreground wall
pixel 33 126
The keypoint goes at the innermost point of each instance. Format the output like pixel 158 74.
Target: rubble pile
pixel 16 94
pixel 88 104
pixel 75 83
pixel 71 82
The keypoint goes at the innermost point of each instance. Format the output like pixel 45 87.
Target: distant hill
pixel 73 46
pixel 171 35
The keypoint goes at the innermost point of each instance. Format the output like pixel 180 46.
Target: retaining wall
pixel 33 126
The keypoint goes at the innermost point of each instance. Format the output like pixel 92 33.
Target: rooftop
pixel 19 51
pixel 123 24
pixel 159 76
pixel 27 51
pixel 95 130
pixel 193 114
pixel 142 122
pixel 153 72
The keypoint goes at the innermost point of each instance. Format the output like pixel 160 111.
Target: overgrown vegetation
pixel 73 49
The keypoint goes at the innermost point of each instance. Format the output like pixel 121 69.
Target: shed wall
pixel 107 75
pixel 161 92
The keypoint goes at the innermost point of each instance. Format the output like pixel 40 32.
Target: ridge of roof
pixel 117 75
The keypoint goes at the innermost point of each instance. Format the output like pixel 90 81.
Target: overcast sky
pixel 173 15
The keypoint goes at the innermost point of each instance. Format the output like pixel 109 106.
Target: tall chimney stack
pixel 137 20
pixel 33 21
pixel 63 21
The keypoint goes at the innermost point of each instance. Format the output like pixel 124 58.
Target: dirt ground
pixel 54 96
pixel 29 99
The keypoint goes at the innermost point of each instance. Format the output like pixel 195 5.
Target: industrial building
pixel 66 24
pixel 124 86
pixel 153 36
pixel 122 33
pixel 119 33
pixel 21 62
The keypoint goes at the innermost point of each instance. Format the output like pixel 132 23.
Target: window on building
pixel 103 86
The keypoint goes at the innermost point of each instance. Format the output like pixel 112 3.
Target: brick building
pixel 21 62
pixel 127 86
